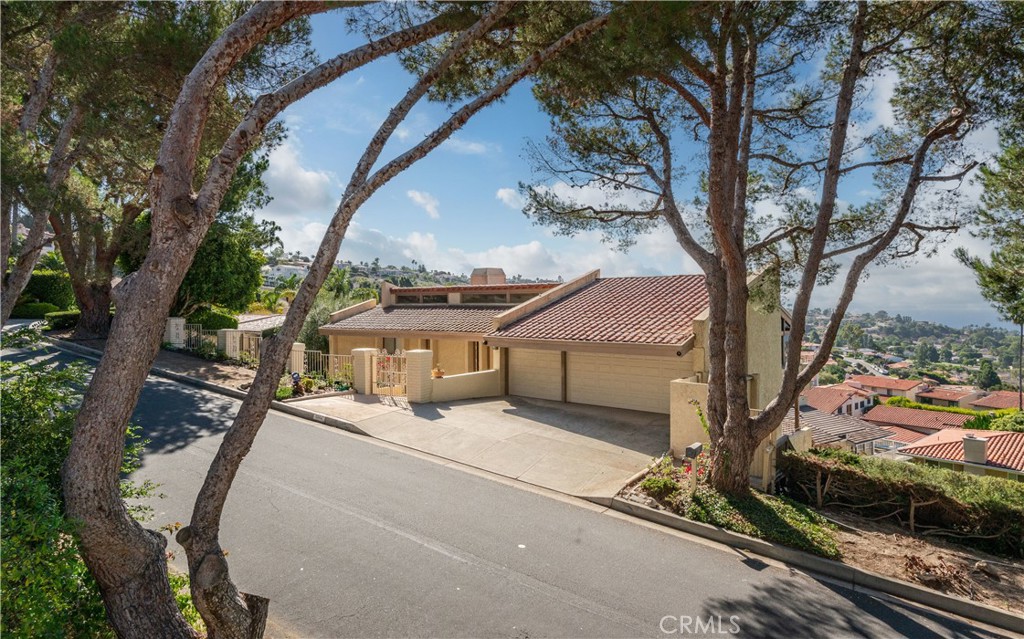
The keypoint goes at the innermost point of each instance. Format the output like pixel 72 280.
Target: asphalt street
pixel 352 538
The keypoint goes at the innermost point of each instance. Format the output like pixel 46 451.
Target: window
pixel 390 345
pixel 435 299
pixel 519 298
pixel 407 299
pixel 485 298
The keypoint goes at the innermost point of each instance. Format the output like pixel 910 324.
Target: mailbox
pixel 693 450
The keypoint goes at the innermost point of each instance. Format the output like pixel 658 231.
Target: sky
pixel 460 208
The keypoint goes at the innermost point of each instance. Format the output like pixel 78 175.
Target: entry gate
pixel 388 373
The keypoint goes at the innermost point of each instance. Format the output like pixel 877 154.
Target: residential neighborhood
pixel 511 319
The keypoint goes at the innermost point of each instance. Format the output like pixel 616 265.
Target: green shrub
pixel 774 519
pixel 212 320
pixel 33 310
pixel 62 319
pixel 983 512
pixel 1013 422
pixel 660 487
pixel 758 515
pixel 45 588
pixel 52 287
pixel 982 420
pixel 283 392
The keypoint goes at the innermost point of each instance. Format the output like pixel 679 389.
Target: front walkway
pixel 586 451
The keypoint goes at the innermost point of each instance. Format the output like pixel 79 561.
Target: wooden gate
pixel 388 373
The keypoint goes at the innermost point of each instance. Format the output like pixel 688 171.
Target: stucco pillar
pixel 686 427
pixel 174 333
pixel 229 342
pixel 297 360
pixel 419 385
pixel 361 373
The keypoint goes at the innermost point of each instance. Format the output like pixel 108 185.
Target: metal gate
pixel 388 373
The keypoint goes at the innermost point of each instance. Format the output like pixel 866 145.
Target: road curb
pixel 233 393
pixel 855 577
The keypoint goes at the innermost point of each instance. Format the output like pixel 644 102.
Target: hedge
pixel 33 310
pixel 53 287
pixel 63 319
pixel 212 320
pixel 982 419
pixel 984 512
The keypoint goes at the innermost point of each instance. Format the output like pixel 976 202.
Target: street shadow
pixel 173 416
pixel 787 608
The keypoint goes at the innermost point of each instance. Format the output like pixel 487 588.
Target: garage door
pixel 533 373
pixel 635 382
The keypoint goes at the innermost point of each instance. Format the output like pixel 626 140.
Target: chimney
pixel 975 449
pixel 485 276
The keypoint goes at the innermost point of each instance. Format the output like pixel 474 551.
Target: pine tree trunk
pixel 730 463
pixel 94 302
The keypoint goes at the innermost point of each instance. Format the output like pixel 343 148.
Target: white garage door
pixel 533 373
pixel 637 382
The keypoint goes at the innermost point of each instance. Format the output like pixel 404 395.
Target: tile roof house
pixel 996 400
pixel 835 400
pixel 925 421
pixel 841 431
pixel 901 436
pixel 887 386
pixel 979 452
pixel 615 341
pixel 959 396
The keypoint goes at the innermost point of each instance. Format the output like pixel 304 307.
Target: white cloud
pixel 510 198
pixel 297 192
pixel 597 195
pixel 469 147
pixel 883 87
pixel 302 237
pixel 654 254
pixel 425 201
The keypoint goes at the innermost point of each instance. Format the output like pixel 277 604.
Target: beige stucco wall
pixel 466 386
pixel 345 344
pixel 684 424
pixel 636 382
pixel 450 355
pixel 764 355
pixel 534 373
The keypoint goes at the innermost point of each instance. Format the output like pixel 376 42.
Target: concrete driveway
pixel 586 451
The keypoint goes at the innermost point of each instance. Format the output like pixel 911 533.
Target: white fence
pixel 200 340
pixel 333 368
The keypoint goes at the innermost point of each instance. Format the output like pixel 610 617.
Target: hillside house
pixel 978 452
pixel 888 386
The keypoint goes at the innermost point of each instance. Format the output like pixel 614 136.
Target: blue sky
pixel 458 208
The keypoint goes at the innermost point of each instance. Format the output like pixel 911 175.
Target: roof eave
pixel 611 348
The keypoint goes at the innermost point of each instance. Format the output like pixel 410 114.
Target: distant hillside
pixel 924 343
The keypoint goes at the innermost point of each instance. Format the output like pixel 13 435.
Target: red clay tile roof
pixel 915 418
pixel 945 394
pixel 876 381
pixel 998 400
pixel 1004 450
pixel 637 310
pixel 420 319
pixel 863 392
pixel 905 435
pixel 827 399
pixel 477 288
